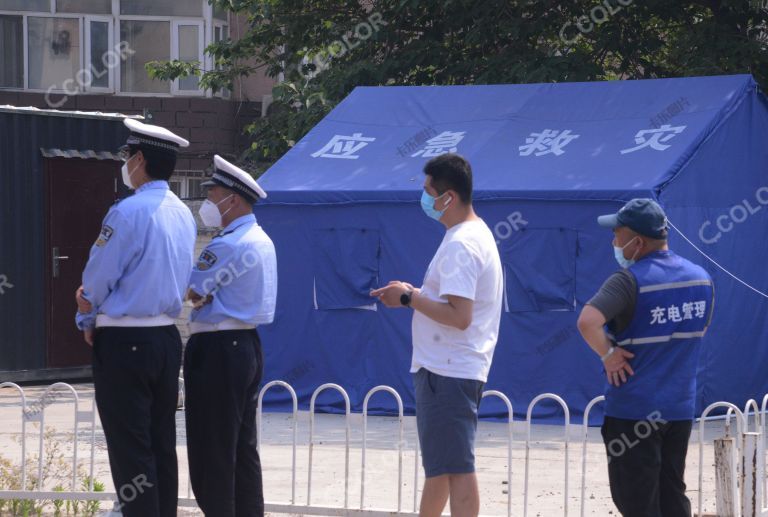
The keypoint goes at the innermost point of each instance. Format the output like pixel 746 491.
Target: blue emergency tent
pixel 343 211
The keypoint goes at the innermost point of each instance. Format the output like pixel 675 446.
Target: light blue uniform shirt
pixel 239 270
pixel 141 262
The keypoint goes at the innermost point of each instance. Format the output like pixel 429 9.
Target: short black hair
pixel 160 163
pixel 451 172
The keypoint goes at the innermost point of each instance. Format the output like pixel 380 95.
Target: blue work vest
pixel 674 306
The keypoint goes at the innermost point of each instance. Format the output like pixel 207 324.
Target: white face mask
pixel 127 174
pixel 618 252
pixel 209 212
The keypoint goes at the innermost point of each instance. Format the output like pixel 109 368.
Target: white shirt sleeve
pixel 458 269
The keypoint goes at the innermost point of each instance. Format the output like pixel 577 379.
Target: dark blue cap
pixel 644 216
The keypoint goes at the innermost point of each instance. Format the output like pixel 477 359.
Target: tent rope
pixel 715 263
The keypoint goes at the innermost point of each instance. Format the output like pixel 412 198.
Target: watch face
pixel 405 299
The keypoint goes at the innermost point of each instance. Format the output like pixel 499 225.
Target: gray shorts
pixel 446 417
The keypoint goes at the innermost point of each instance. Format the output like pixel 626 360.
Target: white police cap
pixel 147 135
pixel 232 177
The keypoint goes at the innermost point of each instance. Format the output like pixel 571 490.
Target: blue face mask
pixel 618 252
pixel 428 205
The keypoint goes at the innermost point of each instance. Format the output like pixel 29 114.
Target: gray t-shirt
pixel 616 300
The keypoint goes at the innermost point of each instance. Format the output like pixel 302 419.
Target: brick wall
pixel 213 126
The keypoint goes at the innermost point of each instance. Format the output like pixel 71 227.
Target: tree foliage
pixel 322 49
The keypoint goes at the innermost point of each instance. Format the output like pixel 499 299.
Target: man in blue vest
pixel 656 310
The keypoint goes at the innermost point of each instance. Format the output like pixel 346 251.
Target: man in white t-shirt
pixel 455 328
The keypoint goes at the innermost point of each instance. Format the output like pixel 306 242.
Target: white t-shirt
pixel 466 264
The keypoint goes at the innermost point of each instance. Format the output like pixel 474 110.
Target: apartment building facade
pixel 90 55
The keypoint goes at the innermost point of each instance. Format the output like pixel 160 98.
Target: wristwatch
pixel 405 298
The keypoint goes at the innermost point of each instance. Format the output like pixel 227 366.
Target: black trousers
pixel 222 372
pixel 136 377
pixel 646 466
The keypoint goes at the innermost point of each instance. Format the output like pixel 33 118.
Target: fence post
pixel 763 408
pixel 510 418
pixel 564 407
pixel 39 416
pixel 23 397
pixel 401 435
pixel 740 427
pixel 585 436
pixel 259 434
pixel 751 495
pixel 416 474
pixel 312 435
pixel 752 464
pixel 724 476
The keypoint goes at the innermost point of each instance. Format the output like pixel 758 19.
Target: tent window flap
pixel 346 267
pixel 540 270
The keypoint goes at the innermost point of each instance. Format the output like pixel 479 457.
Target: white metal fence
pixel 749 485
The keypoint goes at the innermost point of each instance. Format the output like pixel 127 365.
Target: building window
pixel 99 53
pixel 220 14
pixel 188 47
pixel 148 41
pixel 11 42
pixel 195 190
pixel 175 186
pixel 162 7
pixel 85 48
pixel 84 6
pixel 220 33
pixel 26 5
pixel 187 184
pixel 54 51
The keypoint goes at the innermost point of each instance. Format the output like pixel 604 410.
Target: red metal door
pixel 80 192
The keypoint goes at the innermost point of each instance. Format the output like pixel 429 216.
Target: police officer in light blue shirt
pixel 133 288
pixel 234 289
